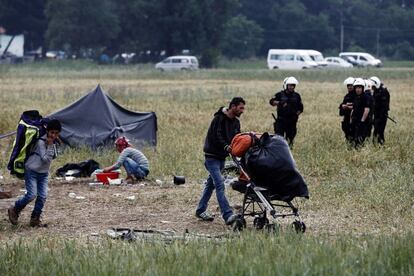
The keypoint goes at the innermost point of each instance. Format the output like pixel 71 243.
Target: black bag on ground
pixel 270 164
pixel 85 168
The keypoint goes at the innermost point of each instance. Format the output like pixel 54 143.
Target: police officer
pixel 360 113
pixel 289 106
pixel 345 108
pixel 370 120
pixel 382 106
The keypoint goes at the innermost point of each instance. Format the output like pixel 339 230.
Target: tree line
pixel 213 28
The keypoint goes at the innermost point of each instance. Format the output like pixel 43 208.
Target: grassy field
pixel 359 217
pixel 249 254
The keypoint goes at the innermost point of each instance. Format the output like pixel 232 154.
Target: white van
pixel 361 59
pixel 178 63
pixel 289 59
pixel 318 58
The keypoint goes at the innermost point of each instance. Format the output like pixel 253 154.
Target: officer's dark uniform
pixel 346 113
pixel 290 103
pixel 370 119
pixel 382 106
pixel 358 128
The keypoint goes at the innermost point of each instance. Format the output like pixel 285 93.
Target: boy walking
pixel 36 175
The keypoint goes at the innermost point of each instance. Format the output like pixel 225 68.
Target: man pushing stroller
pixel 224 126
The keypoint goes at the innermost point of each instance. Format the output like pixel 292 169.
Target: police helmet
pixel 284 83
pixel 375 82
pixel 359 82
pixel 349 81
pixel 291 80
pixel 368 84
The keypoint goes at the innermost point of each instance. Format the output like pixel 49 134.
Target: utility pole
pixel 342 33
pixel 378 41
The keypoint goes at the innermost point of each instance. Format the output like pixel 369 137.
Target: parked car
pixel 178 63
pixel 362 59
pixel 317 57
pixel 337 62
pixel 289 59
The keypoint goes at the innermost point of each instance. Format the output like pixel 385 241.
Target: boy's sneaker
pixel 232 219
pixel 4 195
pixel 205 216
pixel 13 215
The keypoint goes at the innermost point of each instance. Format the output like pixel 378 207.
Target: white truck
pixel 289 59
pixel 317 57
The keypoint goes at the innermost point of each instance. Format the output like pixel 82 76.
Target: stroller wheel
pixel 260 222
pixel 299 226
pixel 239 224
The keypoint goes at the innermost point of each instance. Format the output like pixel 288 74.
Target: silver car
pixel 178 63
pixel 337 62
pixel 362 59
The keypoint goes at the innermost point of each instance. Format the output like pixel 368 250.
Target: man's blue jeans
pixel 133 168
pixel 36 187
pixel 214 181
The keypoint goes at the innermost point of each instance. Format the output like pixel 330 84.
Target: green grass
pixel 253 63
pixel 249 254
pixel 398 63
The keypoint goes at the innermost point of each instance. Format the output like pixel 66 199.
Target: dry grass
pixel 358 192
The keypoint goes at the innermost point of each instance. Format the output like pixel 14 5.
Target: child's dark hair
pixel 54 125
pixel 236 101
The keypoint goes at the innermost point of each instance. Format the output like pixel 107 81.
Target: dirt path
pixel 97 209
pixel 161 208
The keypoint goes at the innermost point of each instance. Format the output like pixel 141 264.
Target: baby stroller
pixel 271 183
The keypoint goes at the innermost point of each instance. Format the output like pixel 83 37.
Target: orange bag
pixel 242 142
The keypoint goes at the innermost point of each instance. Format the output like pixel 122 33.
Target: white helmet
pixel 368 84
pixel 375 82
pixel 284 83
pixel 359 82
pixel 291 80
pixel 349 81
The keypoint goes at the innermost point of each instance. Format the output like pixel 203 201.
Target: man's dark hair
pixel 54 125
pixel 236 101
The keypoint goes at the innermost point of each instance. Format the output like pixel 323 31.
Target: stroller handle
pixel 239 166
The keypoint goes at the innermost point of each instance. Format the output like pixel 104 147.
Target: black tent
pixel 96 120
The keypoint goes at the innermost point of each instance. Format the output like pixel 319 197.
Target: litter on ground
pixel 160 235
pixel 132 198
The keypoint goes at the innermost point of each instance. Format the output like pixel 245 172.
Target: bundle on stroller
pixel 269 180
